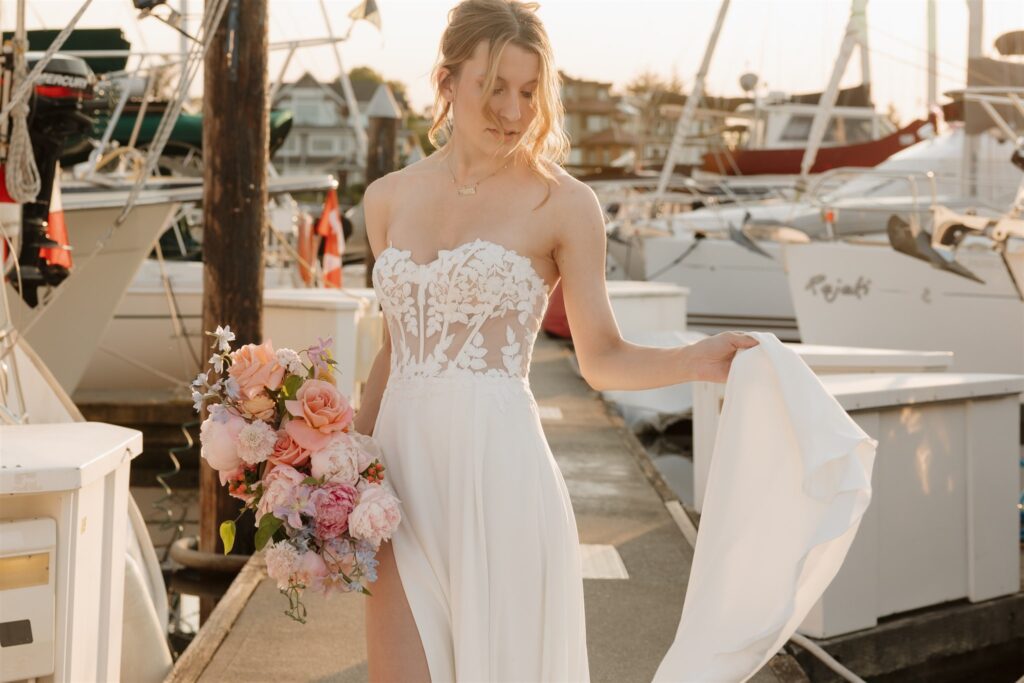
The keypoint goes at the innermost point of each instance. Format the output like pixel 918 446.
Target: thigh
pixel 394 649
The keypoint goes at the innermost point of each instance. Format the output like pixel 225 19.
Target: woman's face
pixel 511 99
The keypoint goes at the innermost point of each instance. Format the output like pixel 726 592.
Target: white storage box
pixel 943 522
pixel 823 360
pixel 77 475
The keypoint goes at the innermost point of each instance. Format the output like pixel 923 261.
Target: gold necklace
pixel 466 190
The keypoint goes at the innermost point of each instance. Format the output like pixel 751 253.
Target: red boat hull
pixel 787 161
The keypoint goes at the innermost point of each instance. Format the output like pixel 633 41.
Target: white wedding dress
pixel 488 550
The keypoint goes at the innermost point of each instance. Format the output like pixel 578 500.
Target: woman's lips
pixel 507 135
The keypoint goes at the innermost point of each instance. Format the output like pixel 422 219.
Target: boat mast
pixel 696 94
pixel 969 160
pixel 856 35
pixel 932 96
pixel 355 120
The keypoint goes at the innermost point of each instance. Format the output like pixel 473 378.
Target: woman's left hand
pixel 711 358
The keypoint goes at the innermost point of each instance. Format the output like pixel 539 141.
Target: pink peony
pixel 311 570
pixel 337 461
pixel 256 369
pixel 219 438
pixel 333 504
pixel 285 496
pixel 323 410
pixel 261 407
pixel 376 515
pixel 287 451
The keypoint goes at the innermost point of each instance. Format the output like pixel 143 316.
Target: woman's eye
pixel 528 95
pixel 498 91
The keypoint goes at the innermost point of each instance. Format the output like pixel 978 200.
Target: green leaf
pixel 291 385
pixel 227 535
pixel 268 525
pixel 311 481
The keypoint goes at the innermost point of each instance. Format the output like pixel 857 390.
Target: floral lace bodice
pixel 473 310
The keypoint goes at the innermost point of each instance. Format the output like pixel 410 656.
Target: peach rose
pixel 261 407
pixel 256 369
pixel 287 451
pixel 323 410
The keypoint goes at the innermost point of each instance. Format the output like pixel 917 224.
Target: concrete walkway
pixel 619 502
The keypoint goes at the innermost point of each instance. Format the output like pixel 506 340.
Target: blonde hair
pixel 500 22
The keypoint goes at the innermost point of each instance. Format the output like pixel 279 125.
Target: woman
pixel 482 581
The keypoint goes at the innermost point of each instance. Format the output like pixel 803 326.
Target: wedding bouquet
pixel 279 433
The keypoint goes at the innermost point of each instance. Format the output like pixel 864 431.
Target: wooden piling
pixel 235 157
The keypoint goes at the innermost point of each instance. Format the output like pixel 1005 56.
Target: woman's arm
pixel 375 213
pixel 607 361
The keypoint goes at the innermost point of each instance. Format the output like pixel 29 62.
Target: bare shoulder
pixel 576 209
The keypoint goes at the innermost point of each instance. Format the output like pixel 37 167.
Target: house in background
pixel 600 125
pixel 322 140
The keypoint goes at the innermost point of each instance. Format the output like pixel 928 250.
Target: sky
pixel 790 44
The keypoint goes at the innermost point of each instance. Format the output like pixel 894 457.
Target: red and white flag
pixel 57 229
pixel 329 227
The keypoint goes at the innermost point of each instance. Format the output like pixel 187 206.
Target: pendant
pixel 466 190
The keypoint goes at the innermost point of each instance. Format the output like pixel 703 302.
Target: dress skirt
pixel 488 549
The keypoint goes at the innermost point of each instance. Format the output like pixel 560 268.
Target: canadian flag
pixel 329 226
pixel 57 229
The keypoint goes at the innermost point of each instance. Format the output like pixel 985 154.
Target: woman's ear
pixel 446 83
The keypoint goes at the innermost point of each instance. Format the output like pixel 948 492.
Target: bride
pixel 482 582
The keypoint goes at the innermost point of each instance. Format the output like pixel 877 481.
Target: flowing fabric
pixel 789 483
pixel 488 549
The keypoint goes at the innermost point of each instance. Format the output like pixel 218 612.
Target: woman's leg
pixel 394 650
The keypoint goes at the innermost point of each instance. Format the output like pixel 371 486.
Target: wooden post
pixel 384 116
pixel 235 151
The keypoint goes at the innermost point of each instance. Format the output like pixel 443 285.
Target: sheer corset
pixel 475 310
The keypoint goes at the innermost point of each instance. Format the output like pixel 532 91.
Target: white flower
pixel 200 380
pixel 338 461
pixel 256 442
pixel 289 359
pixel 282 561
pixel 197 400
pixel 217 361
pixel 231 386
pixel 224 337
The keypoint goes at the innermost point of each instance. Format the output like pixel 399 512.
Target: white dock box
pixel 823 360
pixel 294 318
pixel 943 523
pixel 71 478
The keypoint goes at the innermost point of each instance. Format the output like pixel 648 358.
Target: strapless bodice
pixel 473 310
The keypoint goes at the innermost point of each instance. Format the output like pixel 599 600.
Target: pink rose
pixel 261 407
pixel 285 496
pixel 287 451
pixel 376 515
pixel 219 438
pixel 333 504
pixel 311 570
pixel 256 369
pixel 323 410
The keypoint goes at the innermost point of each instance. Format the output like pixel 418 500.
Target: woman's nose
pixel 510 109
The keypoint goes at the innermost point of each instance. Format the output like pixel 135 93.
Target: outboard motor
pixel 59 107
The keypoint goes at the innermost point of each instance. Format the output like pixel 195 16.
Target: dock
pixel 623 510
